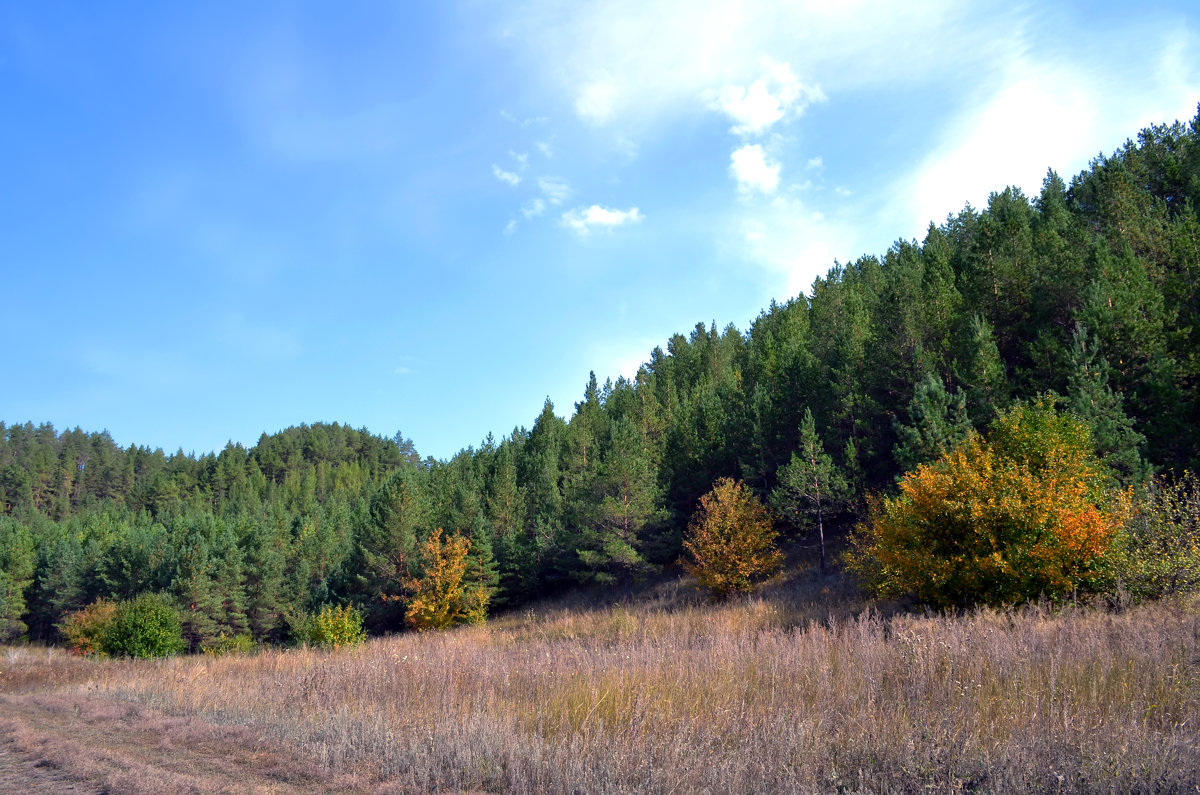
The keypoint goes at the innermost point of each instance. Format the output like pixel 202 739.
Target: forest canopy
pixel 1088 291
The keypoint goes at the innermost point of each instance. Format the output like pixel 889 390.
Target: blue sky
pixel 222 219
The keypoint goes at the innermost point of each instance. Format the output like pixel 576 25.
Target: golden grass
pixel 671 695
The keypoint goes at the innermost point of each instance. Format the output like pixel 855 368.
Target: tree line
pixel 1087 291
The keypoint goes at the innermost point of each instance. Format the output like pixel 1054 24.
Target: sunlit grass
pixel 674 695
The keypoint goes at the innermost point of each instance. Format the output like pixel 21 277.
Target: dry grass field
pixel 770 694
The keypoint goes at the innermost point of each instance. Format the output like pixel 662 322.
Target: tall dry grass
pixel 757 696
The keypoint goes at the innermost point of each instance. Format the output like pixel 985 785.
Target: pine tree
pixel 938 421
pixel 981 372
pixel 481 577
pixel 266 550
pixel 16 576
pixel 619 506
pixel 540 473
pixel 1093 400
pixel 810 485
pixel 388 545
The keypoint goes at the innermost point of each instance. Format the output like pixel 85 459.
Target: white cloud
pixel 1009 90
pixel 584 220
pixel 546 149
pixel 402 370
pixel 1031 123
pixel 596 102
pixel 533 208
pixel 644 60
pixel 756 108
pixel 522 123
pixel 1037 114
pixel 511 226
pixel 753 171
pixel 522 158
pixel 790 240
pixel 556 189
pixel 506 176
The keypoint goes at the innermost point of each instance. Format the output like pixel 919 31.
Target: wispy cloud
pixel 583 220
pixel 523 123
pixel 596 102
pixel 1039 115
pixel 533 208
pixel 556 189
pixel 506 176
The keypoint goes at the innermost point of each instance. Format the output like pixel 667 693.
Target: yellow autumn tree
pixel 998 520
pixel 439 597
pixel 731 541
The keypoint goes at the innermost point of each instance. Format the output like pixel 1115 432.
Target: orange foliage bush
pixel 1000 520
pixel 85 629
pixel 440 598
pixel 731 540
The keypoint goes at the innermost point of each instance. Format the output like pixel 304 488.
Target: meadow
pixel 775 693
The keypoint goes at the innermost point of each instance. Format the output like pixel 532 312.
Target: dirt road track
pixel 82 744
pixel 19 775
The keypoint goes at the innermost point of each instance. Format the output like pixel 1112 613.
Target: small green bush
pixel 1157 551
pixel 331 628
pixel 230 644
pixel 146 626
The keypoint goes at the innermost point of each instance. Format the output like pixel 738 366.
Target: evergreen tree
pixel 1092 400
pixel 505 506
pixel 388 546
pixel 618 511
pixel 16 576
pixel 540 474
pixel 265 548
pixel 810 485
pixel 981 372
pixel 481 576
pixel 937 421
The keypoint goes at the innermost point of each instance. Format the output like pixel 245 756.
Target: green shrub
pixel 146 626
pixel 85 629
pixel 230 644
pixel 331 628
pixel 1157 551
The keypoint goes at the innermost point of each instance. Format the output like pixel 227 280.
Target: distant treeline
pixel 1089 290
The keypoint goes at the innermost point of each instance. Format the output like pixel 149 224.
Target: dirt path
pixel 19 775
pixel 82 744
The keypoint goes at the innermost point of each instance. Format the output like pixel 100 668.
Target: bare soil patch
pixel 85 744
